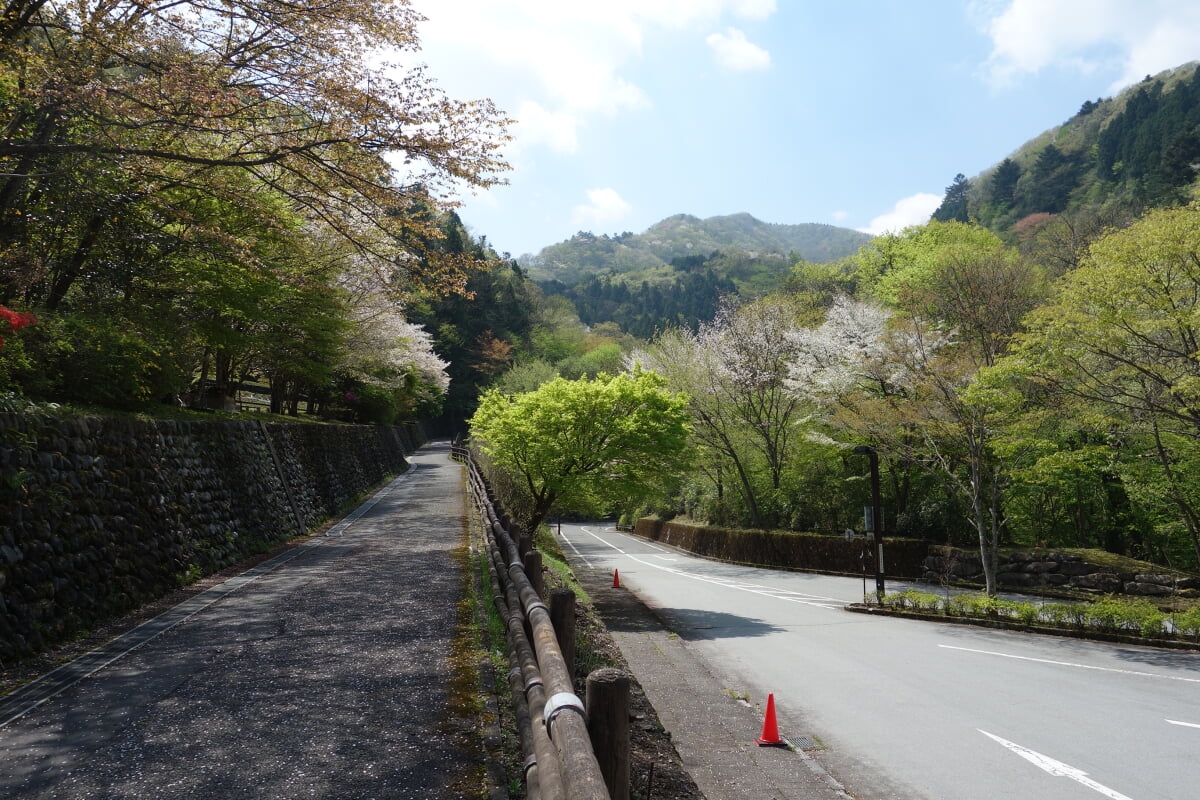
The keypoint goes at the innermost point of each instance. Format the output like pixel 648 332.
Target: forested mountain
pixel 1115 156
pixel 675 272
pixel 587 254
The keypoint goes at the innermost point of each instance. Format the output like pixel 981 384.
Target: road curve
pixel 921 710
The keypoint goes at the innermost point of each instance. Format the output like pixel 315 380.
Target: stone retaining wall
pixel 1054 571
pixel 99 516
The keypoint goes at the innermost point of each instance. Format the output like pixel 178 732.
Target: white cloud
pixel 1084 35
pixel 604 207
pixel 554 64
pixel 735 52
pixel 536 126
pixel 914 210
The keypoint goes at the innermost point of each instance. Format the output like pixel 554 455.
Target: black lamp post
pixel 876 516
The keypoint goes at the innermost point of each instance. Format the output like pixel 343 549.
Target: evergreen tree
pixel 954 205
pixel 1003 184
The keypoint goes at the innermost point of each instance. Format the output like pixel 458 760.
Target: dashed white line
pixel 1184 724
pixel 1072 664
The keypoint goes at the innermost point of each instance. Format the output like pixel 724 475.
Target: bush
pixel 94 361
pixel 974 605
pixel 913 599
pixel 1071 615
pixel 1187 623
pixel 1118 615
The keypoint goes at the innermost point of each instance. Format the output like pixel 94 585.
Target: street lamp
pixel 876 516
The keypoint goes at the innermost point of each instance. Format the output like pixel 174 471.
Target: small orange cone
pixel 616 579
pixel 770 731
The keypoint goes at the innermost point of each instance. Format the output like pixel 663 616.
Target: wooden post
pixel 562 614
pixel 608 726
pixel 533 568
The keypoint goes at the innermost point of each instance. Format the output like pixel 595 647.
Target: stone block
pixel 1148 589
pixel 1018 580
pixel 1075 568
pixel 1098 581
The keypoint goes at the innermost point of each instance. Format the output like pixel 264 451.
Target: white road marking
pixel 819 601
pixel 1072 664
pixel 1056 768
pixel 1184 724
pixel 576 549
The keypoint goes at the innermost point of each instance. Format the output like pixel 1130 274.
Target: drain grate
pixel 803 743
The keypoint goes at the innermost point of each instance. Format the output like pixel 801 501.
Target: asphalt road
pixel 327 677
pixel 920 710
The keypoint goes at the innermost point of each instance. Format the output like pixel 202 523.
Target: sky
pixel 857 113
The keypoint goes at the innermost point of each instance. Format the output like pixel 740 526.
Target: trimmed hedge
pixel 902 558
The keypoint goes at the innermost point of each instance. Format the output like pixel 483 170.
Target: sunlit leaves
pixel 585 444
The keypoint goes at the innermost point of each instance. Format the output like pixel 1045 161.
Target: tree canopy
pixel 203 193
pixel 586 444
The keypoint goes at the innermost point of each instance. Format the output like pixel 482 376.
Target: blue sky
pixel 847 112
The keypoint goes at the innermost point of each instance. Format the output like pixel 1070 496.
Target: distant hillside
pixel 1138 150
pixel 586 254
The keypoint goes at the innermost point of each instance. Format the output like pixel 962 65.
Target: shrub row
pixel 1108 614
pixel 903 558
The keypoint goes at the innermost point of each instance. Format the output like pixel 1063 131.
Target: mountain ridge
pixel 685 235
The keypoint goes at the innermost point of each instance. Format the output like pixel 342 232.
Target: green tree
pixel 1122 335
pixel 149 95
pixel 954 204
pixel 733 370
pixel 1003 184
pixel 584 445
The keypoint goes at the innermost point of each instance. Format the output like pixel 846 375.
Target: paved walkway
pixel 325 677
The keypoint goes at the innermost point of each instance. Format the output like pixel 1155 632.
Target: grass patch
pixel 556 563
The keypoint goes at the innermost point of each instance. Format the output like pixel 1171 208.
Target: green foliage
pixel 588 444
pixel 1187 623
pixel 178 228
pixel 525 377
pixel 1108 614
pixel 914 600
pixel 954 204
pixel 95 361
pixel 1125 616
pixel 687 296
pixel 1133 151
pixel 1120 338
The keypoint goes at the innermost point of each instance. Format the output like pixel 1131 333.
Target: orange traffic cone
pixel 616 579
pixel 770 731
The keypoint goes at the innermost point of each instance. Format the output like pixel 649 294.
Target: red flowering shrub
pixel 13 321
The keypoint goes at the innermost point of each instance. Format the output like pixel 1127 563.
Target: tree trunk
pixel 66 275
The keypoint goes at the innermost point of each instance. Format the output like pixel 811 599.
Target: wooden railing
pixel 561 762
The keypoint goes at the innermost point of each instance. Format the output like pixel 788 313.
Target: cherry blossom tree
pixel 733 371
